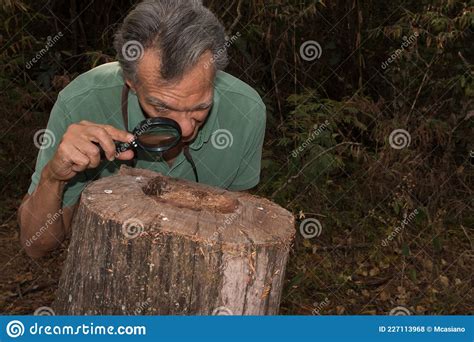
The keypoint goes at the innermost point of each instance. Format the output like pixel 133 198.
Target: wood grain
pixel 143 243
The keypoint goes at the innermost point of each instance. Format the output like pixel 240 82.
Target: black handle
pixel 119 147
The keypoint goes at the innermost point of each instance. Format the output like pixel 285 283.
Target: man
pixel 170 55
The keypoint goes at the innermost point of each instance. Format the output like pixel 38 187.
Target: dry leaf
pixel 444 281
pixel 384 296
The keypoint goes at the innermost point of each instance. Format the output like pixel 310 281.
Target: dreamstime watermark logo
pixel 227 222
pixel 406 221
pixel 319 306
pixel 15 329
pixel 310 228
pixel 50 41
pixel 222 311
pixel 316 131
pixel 51 219
pixel 310 50
pixel 398 52
pixel 222 138
pixel 133 142
pixel 143 129
pixel 399 311
pixel 142 307
pixel 44 311
pixel 228 43
pixel 399 139
pixel 44 138
pixel 132 50
pixel 132 227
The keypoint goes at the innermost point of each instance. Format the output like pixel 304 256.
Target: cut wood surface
pixel 143 243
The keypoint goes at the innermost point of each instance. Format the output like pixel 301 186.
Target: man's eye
pixel 161 109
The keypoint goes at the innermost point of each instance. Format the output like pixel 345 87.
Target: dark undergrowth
pixel 371 141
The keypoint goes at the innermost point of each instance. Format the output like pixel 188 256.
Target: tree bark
pixel 143 243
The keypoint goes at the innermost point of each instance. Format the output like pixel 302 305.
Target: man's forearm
pixel 41 216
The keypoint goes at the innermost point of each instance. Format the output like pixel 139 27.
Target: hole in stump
pixel 184 196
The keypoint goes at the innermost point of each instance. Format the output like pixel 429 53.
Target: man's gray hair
pixel 179 31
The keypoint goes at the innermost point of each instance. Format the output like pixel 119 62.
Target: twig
pixel 464 230
pixel 237 19
pixel 421 86
pixel 343 247
pixel 466 63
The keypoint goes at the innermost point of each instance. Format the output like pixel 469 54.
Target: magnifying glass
pixel 155 135
pixel 152 135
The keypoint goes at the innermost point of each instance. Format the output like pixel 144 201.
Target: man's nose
pixel 187 126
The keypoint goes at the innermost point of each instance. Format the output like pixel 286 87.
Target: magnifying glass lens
pixel 157 134
pixel 159 137
pixel 153 135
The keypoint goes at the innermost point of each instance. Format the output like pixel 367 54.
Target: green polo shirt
pixel 227 150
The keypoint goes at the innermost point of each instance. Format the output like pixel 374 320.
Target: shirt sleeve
pixel 47 141
pixel 248 174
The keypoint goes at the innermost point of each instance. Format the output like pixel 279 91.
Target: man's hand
pixel 77 151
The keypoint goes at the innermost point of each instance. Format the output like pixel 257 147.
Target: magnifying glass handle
pixel 119 148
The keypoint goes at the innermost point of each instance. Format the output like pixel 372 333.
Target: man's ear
pixel 131 85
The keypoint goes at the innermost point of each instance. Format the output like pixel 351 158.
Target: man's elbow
pixel 33 251
pixel 35 245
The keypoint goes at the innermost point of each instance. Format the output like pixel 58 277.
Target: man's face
pixel 188 101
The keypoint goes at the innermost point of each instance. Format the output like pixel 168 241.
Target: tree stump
pixel 143 243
